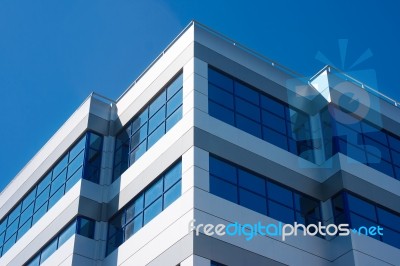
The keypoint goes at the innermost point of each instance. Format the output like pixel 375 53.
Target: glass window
pixel 60 165
pixel 248 125
pixel 280 212
pixel 252 182
pixel 44 183
pixel 27 213
pixel 157 119
pixel 391 237
pixel 273 106
pixel 223 189
pixel 56 197
pixel 48 250
pixel 275 138
pixel 245 92
pixel 138 152
pixel 29 199
pixel 252 201
pixel 172 194
pixel 66 234
pixel 361 207
pixel 220 80
pixel 222 169
pixel 220 96
pixel 394 142
pixel 95 142
pixel 85 227
pixel 221 113
pixel 172 176
pixel 157 104
pixel 388 219
pixel 139 136
pixel 35 261
pixel 156 135
pixel 135 208
pixel 80 146
pixel 14 214
pixel 75 164
pixel 280 194
pixel 175 86
pixel 174 103
pixel 42 198
pixel 247 109
pixel 174 118
pixel 24 228
pixel 273 121
pixel 133 226
pixel 153 192
pixel 152 211
pixel 58 181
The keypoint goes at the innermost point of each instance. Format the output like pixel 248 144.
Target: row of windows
pixel 81 226
pixel 361 141
pixel 164 190
pixel 358 212
pixel 78 162
pixel 255 192
pixel 237 104
pixel 148 126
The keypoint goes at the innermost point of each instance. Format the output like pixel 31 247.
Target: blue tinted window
pixel 253 201
pixel 145 206
pixel 220 96
pixel 221 113
pixel 250 192
pixel 247 93
pixel 252 109
pixel 66 234
pixel 252 182
pixel 148 126
pixel 223 170
pixel 50 248
pixel 361 207
pixel 85 227
pixel 223 189
pixel 220 80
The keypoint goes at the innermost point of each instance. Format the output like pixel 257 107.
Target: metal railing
pixel 344 76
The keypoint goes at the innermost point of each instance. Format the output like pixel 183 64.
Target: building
pixel 215 133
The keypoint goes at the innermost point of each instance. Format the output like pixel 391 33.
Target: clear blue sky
pixel 54 53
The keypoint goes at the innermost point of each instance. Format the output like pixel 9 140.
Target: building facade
pixel 213 134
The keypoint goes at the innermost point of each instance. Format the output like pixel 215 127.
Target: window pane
pixel 247 93
pixel 388 219
pixel 35 261
pixel 157 103
pixel 58 182
pixel 153 210
pixel 361 207
pixel 358 221
pixel 157 119
pixel 56 197
pixel 95 141
pixel 253 201
pixel 223 189
pixel 132 227
pixel 44 183
pixel 139 136
pixel 77 149
pixel 220 80
pixel 172 194
pixel 10 242
pixel 220 96
pixel 50 248
pixel 395 157
pixel 28 199
pixel 248 125
pixel 280 212
pixel 153 192
pixel 247 109
pixel 252 182
pixel 73 179
pixel 115 224
pixel 66 234
pixel 39 213
pixel 174 103
pixel 27 213
pixel 273 106
pixel 136 153
pixel 156 135
pixel 172 176
pixel 394 143
pixel 86 227
pixel 42 198
pixel 24 228
pixel 60 166
pixel 14 214
pixel 279 194
pixel 377 149
pixel 175 86
pixel 12 228
pixel 222 169
pixel 135 208
pixel 275 138
pixel 75 164
pixel 174 118
pixel 140 120
pixel 391 237
pixel 273 121
pixel 221 113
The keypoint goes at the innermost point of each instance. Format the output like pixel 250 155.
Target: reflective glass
pixel 80 146
pixel 252 201
pixel 220 80
pixel 275 138
pixel 138 137
pixel 157 103
pixel 172 176
pixel 85 227
pixel 252 182
pixel 48 250
pixel 133 226
pixel 139 121
pixel 221 113
pixel 152 211
pixel 388 219
pixel 66 234
pixel 247 109
pixel 137 152
pixel 280 212
pixel 273 106
pixel 280 194
pixel 222 169
pixel 273 121
pixel 156 135
pixel 174 118
pixel 135 208
pixel 175 86
pixel 153 192
pixel 28 199
pixel 248 125
pixel 174 103
pixel 24 228
pixel 223 189
pixel 361 207
pixel 157 119
pixel 172 194
pixel 60 165
pixel 42 198
pixel 247 93
pixel 220 96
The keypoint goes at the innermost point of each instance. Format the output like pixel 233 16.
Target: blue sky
pixel 54 53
